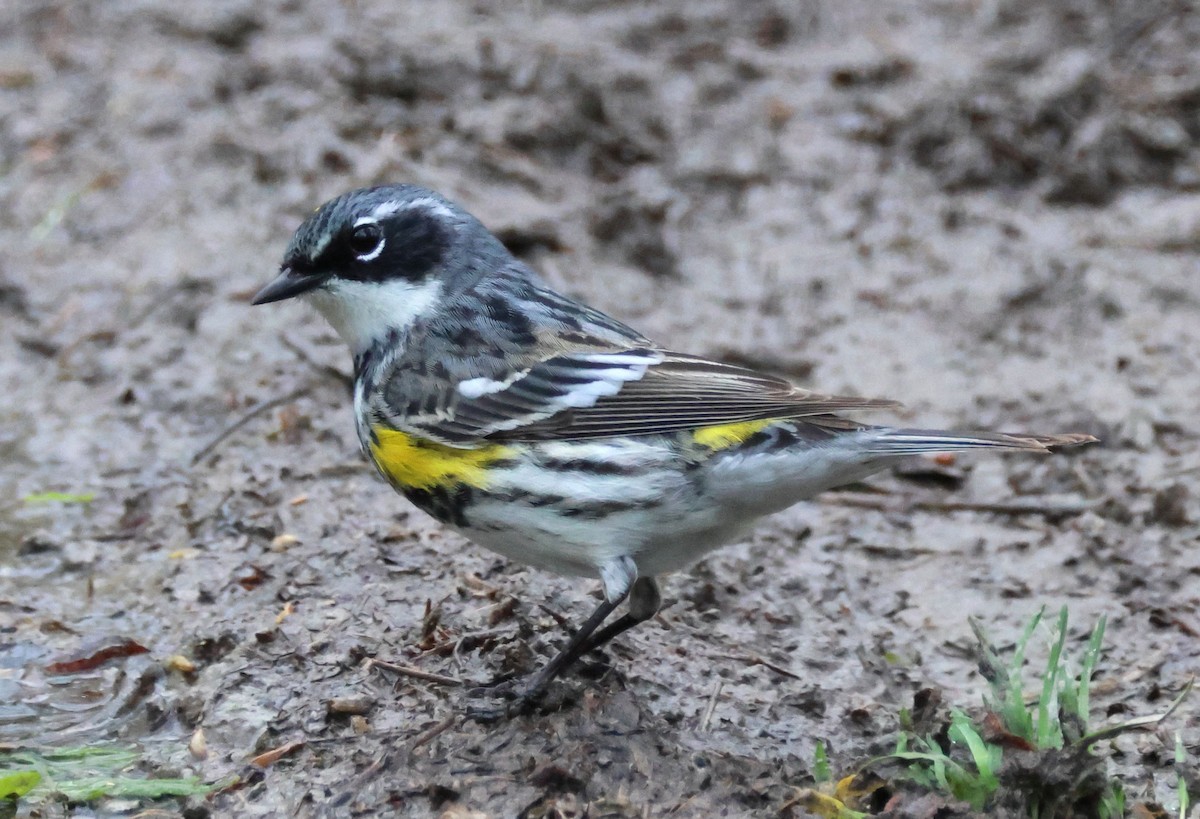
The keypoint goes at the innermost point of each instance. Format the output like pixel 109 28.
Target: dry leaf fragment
pixel 1148 810
pixel 816 803
pixel 281 543
pixel 268 758
pixel 360 704
pixel 252 576
pixel 289 608
pixel 459 811
pixel 292 423
pixel 177 662
pixel 198 745
pixel 114 651
pixel 995 732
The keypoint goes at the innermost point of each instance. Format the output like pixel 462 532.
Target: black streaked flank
pixel 590 466
pixel 599 510
pixel 524 496
pixel 446 505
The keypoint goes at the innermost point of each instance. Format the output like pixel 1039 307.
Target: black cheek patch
pixel 416 243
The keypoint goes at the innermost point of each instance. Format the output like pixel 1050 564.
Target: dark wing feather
pixel 630 391
pixel 509 359
pixel 685 392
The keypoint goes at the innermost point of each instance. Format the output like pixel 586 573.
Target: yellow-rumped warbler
pixel 546 431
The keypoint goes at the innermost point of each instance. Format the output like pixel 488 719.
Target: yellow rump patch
pixel 417 463
pixel 723 436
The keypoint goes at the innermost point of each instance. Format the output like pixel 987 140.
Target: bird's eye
pixel 366 241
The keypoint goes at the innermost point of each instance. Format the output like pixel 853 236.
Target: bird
pixel 553 434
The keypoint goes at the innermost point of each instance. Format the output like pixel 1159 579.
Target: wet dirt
pixel 990 211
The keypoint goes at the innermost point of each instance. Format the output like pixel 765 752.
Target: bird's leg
pixel 523 697
pixel 644 602
pixel 575 649
pixel 619 577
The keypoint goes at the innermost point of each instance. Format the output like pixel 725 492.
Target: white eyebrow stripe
pixel 384 210
pixel 395 206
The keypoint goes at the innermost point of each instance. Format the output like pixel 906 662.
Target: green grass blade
pixel 1180 762
pixel 821 771
pixel 1112 804
pixel 1049 731
pixel 92 788
pixel 1014 714
pixel 85 775
pixel 59 497
pixel 1091 657
pixel 986 757
pixel 16 784
pixel 1019 652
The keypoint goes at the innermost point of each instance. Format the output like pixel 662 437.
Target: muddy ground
pixel 990 211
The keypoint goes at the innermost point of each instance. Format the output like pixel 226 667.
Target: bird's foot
pixel 502 700
pixel 498 686
pixel 505 699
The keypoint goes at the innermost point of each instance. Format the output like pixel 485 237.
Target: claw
pixel 514 703
pixel 515 700
pixel 487 715
pixel 501 688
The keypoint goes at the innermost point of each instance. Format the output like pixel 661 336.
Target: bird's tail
pixel 918 441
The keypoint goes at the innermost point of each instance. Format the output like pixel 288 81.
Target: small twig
pixel 433 733
pixel 368 773
pixel 415 673
pixel 712 705
pixel 389 734
pixel 1137 723
pixel 343 470
pixel 558 618
pixel 249 415
pixel 474 638
pixel 755 660
pixel 891 503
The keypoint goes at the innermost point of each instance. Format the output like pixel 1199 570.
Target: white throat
pixel 364 312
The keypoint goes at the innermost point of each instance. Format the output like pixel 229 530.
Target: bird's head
pixel 376 260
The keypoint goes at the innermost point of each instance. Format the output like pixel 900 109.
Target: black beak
pixel 287 284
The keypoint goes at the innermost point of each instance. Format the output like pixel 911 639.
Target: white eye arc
pixel 366 239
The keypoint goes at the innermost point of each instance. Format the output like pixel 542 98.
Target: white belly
pixel 665 517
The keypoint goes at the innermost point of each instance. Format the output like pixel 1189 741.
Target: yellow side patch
pixel 417 463
pixel 723 436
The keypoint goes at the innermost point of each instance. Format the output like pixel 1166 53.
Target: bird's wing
pixel 626 390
